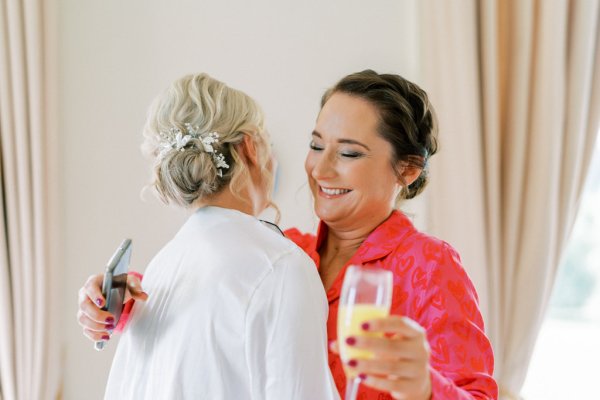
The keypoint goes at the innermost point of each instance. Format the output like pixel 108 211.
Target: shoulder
pixel 235 246
pixel 427 250
pixel 303 240
pixel 431 264
pixel 232 232
pixel 285 259
pixel 292 281
pixel 295 265
pixel 438 253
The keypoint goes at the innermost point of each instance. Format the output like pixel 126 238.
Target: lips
pixel 333 191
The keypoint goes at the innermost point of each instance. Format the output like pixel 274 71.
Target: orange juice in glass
pixel 366 294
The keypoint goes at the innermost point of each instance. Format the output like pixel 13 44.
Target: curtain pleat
pixel 533 123
pixel 28 362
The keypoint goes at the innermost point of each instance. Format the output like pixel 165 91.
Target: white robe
pixel 235 311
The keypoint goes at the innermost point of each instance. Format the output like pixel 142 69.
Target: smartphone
pixel 115 282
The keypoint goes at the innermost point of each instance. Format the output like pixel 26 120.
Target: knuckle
pixel 89 280
pixel 88 311
pixel 392 345
pixel 81 297
pixel 89 334
pixel 427 349
pixel 83 307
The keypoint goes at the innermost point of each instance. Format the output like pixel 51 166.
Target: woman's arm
pixel 445 353
pixel 462 360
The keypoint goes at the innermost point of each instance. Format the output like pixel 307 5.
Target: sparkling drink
pixel 350 320
pixel 366 294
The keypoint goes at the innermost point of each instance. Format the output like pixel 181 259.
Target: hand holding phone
pixel 115 283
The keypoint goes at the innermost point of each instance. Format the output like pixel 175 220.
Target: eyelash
pixel 314 147
pixel 351 154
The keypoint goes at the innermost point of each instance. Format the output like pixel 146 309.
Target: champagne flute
pixel 366 294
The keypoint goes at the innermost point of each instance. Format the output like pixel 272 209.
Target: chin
pixel 327 216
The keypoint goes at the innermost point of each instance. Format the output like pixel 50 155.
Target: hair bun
pixel 183 176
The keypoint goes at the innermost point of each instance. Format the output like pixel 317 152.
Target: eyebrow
pixel 345 141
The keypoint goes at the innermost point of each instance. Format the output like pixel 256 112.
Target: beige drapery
pixel 516 84
pixel 29 308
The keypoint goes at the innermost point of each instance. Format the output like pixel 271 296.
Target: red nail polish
pixel 99 301
pixel 110 327
pixel 110 320
pixel 365 326
pixel 350 341
pixel 362 377
pixel 352 363
pixel 105 337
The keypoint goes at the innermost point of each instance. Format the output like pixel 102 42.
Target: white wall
pixel 115 56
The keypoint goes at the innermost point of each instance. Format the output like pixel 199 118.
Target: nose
pixel 324 166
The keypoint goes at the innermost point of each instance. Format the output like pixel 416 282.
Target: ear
pixel 247 149
pixel 408 174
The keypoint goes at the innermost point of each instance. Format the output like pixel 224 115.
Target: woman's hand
pixel 401 358
pixel 95 322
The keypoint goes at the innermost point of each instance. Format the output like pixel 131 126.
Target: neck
pixel 243 202
pixel 344 241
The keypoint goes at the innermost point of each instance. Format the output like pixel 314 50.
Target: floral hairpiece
pixel 177 140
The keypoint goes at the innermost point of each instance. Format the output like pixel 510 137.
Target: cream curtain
pixel 516 84
pixel 29 309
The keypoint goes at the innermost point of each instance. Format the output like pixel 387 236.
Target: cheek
pixel 380 184
pixel 309 163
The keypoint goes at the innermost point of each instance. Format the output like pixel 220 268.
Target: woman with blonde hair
pixel 234 309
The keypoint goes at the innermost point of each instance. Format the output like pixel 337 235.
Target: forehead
pixel 348 117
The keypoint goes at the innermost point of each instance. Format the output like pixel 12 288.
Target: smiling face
pixel 349 165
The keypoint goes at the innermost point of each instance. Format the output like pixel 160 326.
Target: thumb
pixel 134 289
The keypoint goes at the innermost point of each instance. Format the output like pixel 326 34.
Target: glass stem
pixel 352 388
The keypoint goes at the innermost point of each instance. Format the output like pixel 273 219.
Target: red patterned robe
pixel 430 287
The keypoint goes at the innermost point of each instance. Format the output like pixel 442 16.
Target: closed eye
pixel 315 147
pixel 352 154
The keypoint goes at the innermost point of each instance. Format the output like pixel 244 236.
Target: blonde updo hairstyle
pixel 189 175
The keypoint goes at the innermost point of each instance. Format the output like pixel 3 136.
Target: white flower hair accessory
pixel 177 140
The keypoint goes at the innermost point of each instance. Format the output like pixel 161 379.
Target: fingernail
pixel 110 327
pixel 365 326
pixel 350 341
pixel 109 320
pixel 99 301
pixel 352 363
pixel 105 337
pixel 362 377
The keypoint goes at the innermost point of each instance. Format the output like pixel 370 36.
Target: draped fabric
pixel 28 298
pixel 516 84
